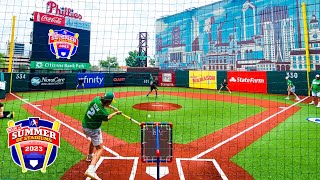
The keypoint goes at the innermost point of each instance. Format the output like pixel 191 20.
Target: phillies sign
pixel 49 19
pixel 53 8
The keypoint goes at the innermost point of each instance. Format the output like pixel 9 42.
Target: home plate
pixel 152 171
pixel 156 105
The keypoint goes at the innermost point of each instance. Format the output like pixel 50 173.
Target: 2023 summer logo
pixel 63 43
pixel 33 143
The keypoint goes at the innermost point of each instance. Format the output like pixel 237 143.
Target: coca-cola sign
pixel 49 19
pixel 53 8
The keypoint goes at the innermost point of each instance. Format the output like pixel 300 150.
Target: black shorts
pixel 152 87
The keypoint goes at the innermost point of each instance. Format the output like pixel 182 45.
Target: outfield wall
pixel 243 81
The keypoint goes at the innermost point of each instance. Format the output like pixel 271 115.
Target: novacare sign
pixel 244 81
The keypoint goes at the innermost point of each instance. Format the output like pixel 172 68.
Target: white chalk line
pixel 215 163
pixel 76 131
pixel 134 166
pixel 246 130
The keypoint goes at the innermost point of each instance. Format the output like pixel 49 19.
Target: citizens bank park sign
pixel 61 16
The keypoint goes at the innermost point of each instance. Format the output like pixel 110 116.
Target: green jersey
pixel 289 83
pixel 151 79
pixel 315 86
pixel 95 114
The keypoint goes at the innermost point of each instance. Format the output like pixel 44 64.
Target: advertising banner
pixel 167 79
pixel 248 81
pixel 203 79
pixel 92 80
pixel 74 23
pixel 58 65
pixel 119 79
pixel 47 81
pixel 49 19
pixel 60 44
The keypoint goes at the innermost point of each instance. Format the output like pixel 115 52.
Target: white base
pixel 152 171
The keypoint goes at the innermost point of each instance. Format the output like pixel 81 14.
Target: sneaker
pixel 92 175
pixel 297 99
pixel 318 105
pixel 287 98
pixel 312 102
pixel 89 158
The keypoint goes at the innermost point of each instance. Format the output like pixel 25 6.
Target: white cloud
pixel 115 24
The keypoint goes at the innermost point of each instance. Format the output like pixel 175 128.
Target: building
pixel 235 35
pixel 18 50
pixel 298 56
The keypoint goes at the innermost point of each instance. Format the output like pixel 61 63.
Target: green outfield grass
pixel 289 151
pixel 194 120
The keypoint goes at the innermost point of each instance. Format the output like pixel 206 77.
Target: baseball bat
pixel 76 35
pixel 128 117
pixel 55 127
pixel 18 149
pixel 54 44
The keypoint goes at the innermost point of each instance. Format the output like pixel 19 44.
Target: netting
pixel 140 89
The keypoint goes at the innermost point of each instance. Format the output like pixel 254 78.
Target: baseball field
pixel 215 135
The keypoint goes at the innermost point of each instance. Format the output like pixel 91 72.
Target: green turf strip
pixel 289 151
pixel 195 119
pixel 67 154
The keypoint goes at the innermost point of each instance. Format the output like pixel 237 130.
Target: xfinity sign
pixel 92 80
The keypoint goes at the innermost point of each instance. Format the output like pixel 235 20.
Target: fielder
pixel 224 84
pixel 91 123
pixel 291 89
pixel 153 85
pixel 315 90
pixel 80 83
pixel 5 114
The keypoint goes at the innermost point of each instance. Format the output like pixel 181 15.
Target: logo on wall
pixel 166 77
pixel 92 80
pixel 63 43
pixel 246 80
pixel 47 81
pixel 33 143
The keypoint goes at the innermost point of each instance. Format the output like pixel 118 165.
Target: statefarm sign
pixel 248 81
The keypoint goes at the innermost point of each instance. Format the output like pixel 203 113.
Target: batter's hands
pixel 119 112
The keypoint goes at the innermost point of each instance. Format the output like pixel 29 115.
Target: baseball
pixel 149 115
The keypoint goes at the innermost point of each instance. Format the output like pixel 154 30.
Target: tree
pixel 94 68
pixel 132 60
pixel 2 60
pixel 23 68
pixel 111 62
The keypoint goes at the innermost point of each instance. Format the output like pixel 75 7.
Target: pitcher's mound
pixel 157 106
